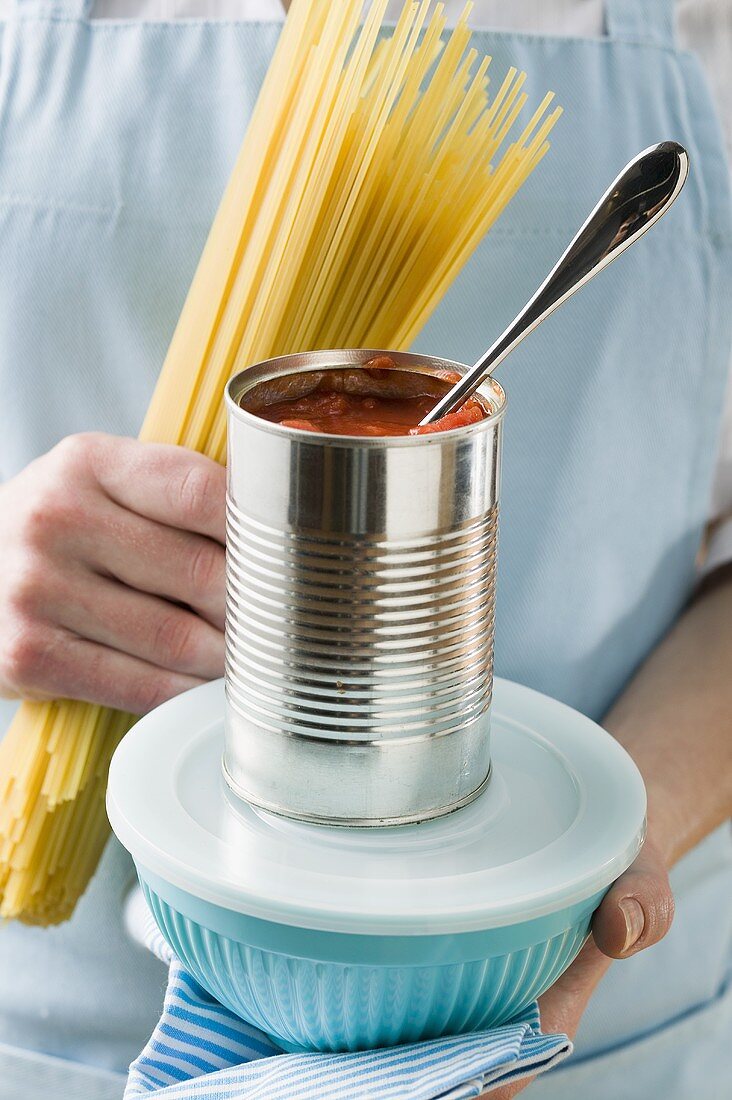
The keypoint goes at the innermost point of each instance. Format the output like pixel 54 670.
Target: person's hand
pixel 112 573
pixel 635 913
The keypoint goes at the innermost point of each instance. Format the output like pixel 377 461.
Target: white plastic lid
pixel 562 817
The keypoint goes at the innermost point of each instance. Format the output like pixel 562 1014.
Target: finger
pixel 562 1005
pixel 162 561
pixel 506 1092
pixel 171 485
pixel 638 909
pixel 58 665
pixel 156 631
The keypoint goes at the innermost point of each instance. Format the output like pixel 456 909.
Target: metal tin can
pixel 360 610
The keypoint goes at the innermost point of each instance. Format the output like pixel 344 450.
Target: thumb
pixel 637 910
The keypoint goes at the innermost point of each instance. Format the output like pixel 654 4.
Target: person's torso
pixel 117 138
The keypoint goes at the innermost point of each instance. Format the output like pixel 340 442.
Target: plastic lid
pixel 562 817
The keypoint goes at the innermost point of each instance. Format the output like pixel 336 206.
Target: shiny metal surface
pixel 360 606
pixel 634 202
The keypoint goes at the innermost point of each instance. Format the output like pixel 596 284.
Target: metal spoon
pixel 642 192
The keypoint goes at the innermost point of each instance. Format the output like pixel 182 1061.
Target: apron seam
pixel 718 207
pixel 51 15
pixel 21 1054
pixel 11 200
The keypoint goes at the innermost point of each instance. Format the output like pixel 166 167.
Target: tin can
pixel 359 609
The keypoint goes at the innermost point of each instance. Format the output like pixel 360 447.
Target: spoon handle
pixel 642 192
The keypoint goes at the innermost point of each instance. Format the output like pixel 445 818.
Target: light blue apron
pixel 116 139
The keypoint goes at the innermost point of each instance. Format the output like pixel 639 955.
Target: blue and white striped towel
pixel 201 1051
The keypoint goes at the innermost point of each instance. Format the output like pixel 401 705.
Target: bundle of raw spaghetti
pixel 372 167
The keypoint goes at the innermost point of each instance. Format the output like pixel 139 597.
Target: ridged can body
pixel 359 610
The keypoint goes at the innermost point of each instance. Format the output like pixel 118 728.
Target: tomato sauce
pixel 391 409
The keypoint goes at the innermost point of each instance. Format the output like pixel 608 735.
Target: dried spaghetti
pixel 373 165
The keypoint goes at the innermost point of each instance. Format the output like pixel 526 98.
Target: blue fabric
pixel 641 20
pixel 117 139
pixel 201 1051
pixel 615 401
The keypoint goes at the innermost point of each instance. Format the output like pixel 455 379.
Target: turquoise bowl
pixel 348 939
pixel 322 991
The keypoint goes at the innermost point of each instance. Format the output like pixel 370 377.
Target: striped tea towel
pixel 201 1051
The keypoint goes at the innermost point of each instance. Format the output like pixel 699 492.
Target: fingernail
pixel 635 921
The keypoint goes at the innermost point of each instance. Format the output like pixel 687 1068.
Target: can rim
pixel 344 357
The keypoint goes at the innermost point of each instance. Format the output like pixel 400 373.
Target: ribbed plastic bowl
pixel 337 939
pixel 330 992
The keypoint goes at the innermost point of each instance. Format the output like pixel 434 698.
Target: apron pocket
pixel 33 1076
pixel 690 1057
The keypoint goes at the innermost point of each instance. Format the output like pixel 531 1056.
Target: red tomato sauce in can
pixel 377 399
